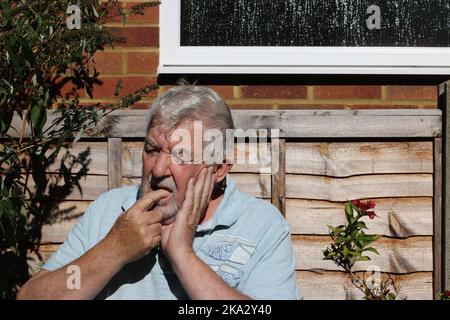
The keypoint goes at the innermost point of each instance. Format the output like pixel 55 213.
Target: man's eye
pixel 181 156
pixel 151 152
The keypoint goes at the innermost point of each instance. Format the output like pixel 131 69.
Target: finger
pixel 152 217
pixel 150 198
pixel 188 202
pixel 205 196
pixel 154 230
pixel 207 188
pixel 156 241
pixel 198 190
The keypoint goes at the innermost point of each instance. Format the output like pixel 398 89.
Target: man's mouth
pixel 155 188
pixel 164 200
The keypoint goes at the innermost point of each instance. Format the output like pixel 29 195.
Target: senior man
pixel 186 232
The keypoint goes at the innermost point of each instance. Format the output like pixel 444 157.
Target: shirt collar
pixel 225 214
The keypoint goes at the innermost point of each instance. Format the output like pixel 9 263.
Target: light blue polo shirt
pixel 247 243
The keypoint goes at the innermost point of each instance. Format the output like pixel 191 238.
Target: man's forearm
pixel 96 268
pixel 201 283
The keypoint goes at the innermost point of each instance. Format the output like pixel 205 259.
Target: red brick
pixel 412 92
pixel 139 37
pixel 141 106
pixel 130 84
pixel 68 88
pixel 108 62
pixel 151 15
pixel 274 92
pixel 347 92
pixel 226 92
pixel 114 13
pixel 143 62
pixel 239 106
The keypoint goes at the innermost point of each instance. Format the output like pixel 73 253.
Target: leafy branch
pixel 39 58
pixel 351 244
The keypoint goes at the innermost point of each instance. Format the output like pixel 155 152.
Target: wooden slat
pixel 358 158
pixel 278 174
pixel 401 217
pixel 94 154
pixel 61 224
pixel 89 188
pixel 359 124
pixel 444 105
pixel 330 285
pixel 437 240
pixel 114 162
pixel 376 186
pixel 395 255
pixel 257 185
pixel 296 123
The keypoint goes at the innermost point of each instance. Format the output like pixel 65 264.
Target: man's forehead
pixel 157 134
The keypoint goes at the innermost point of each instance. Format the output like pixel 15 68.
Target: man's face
pixel 159 171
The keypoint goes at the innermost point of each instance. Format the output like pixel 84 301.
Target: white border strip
pixel 290 60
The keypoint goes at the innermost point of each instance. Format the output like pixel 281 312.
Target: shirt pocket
pixel 228 258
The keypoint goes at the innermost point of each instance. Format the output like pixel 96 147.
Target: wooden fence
pixel 326 158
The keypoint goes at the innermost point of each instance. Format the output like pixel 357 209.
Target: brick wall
pixel 136 62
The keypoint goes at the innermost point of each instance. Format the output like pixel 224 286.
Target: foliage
pixel 445 295
pixel 39 57
pixel 351 244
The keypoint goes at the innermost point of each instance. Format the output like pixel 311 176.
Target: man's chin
pixel 168 213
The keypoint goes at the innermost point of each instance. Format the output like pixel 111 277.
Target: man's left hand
pixel 177 238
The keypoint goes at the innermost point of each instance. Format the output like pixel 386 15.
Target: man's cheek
pixel 148 165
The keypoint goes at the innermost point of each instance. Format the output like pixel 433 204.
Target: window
pixel 397 37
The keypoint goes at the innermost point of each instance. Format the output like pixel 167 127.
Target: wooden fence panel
pixel 310 186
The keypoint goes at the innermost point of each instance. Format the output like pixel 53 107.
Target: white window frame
pixel 175 59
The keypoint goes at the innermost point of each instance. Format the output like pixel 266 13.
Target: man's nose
pixel 162 166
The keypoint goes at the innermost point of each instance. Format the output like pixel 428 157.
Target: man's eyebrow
pixel 149 142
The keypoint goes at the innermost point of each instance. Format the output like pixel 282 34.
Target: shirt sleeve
pixel 273 277
pixel 75 245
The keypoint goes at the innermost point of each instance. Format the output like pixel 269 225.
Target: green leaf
pixel 79 135
pixel 119 87
pixel 345 252
pixel 94 11
pixel 6 11
pixel 371 249
pixel 38 117
pixel 363 258
pixel 361 225
pixel 391 296
pixel 341 239
pixel 349 211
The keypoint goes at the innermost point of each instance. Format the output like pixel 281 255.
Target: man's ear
pixel 221 171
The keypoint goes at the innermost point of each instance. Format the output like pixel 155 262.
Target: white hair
pixel 189 102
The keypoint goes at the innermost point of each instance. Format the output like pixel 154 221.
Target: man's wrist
pixel 183 258
pixel 115 258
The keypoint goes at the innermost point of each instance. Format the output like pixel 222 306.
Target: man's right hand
pixel 137 230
